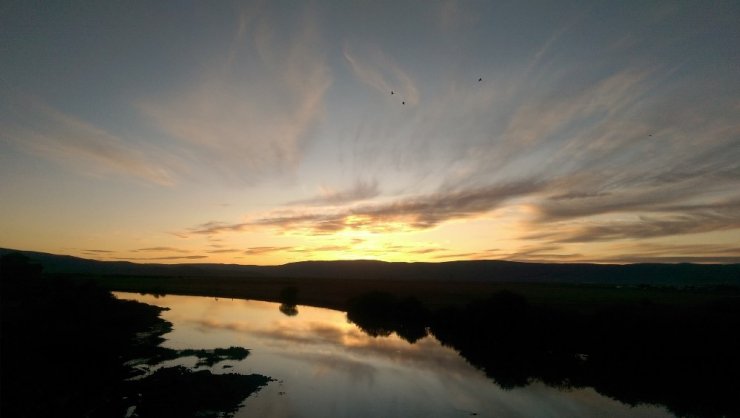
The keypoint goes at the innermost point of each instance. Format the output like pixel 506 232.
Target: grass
pixel 335 293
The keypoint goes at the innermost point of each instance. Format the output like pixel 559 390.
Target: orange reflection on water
pixel 326 366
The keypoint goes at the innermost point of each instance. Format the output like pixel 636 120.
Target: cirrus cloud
pixel 408 213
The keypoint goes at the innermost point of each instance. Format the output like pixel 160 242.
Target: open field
pixel 334 293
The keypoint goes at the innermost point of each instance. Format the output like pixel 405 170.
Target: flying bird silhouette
pixel 392 92
pixel 403 103
pixel 480 79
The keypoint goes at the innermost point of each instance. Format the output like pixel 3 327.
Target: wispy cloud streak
pixel 410 213
pixel 38 128
pixel 173 257
pixel 264 250
pixel 361 190
pixel 378 71
pixel 252 119
pixel 160 249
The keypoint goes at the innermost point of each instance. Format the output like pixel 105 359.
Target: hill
pixel 494 271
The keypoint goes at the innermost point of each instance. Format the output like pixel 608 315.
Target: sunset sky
pixel 266 132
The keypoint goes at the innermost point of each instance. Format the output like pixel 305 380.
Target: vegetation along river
pixel 324 365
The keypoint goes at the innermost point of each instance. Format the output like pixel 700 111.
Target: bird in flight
pixel 403 103
pixel 480 79
pixel 392 92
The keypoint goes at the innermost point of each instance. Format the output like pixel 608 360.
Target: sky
pixel 269 132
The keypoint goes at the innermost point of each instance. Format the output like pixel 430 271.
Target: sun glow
pixel 295 139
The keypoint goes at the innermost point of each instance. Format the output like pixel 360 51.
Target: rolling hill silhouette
pixel 478 271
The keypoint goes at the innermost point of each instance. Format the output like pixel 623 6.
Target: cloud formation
pixel 408 213
pixel 264 250
pixel 376 70
pixel 361 190
pixel 642 226
pixel 564 133
pixel 174 257
pixel 603 164
pixel 38 128
pixel 251 118
pixel 224 251
pixel 160 249
pixel 320 249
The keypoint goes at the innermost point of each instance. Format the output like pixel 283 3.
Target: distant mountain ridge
pixel 482 270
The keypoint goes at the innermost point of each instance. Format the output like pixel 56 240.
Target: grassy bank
pixel 335 293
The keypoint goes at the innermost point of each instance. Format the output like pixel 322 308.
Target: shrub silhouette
pixel 288 300
pixel 379 314
pixel 683 357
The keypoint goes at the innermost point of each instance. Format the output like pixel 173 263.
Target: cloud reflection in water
pixel 326 366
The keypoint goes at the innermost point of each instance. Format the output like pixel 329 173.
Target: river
pixel 324 365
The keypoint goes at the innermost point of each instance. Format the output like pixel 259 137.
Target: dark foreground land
pixel 671 345
pixel 682 356
pixel 639 344
pixel 73 350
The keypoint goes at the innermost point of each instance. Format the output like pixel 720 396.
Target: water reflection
pixel 682 356
pixel 289 301
pixel 326 366
pixel 288 310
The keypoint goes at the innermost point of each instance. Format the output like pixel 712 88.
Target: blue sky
pixel 266 132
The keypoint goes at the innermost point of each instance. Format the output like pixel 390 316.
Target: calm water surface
pixel 326 366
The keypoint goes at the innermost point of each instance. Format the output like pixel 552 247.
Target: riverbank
pixel 672 346
pixel 684 358
pixel 336 293
pixel 72 349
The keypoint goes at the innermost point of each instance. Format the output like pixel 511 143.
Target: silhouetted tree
pixel 413 319
pixel 374 313
pixel 379 314
pixel 289 301
pixel 683 357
